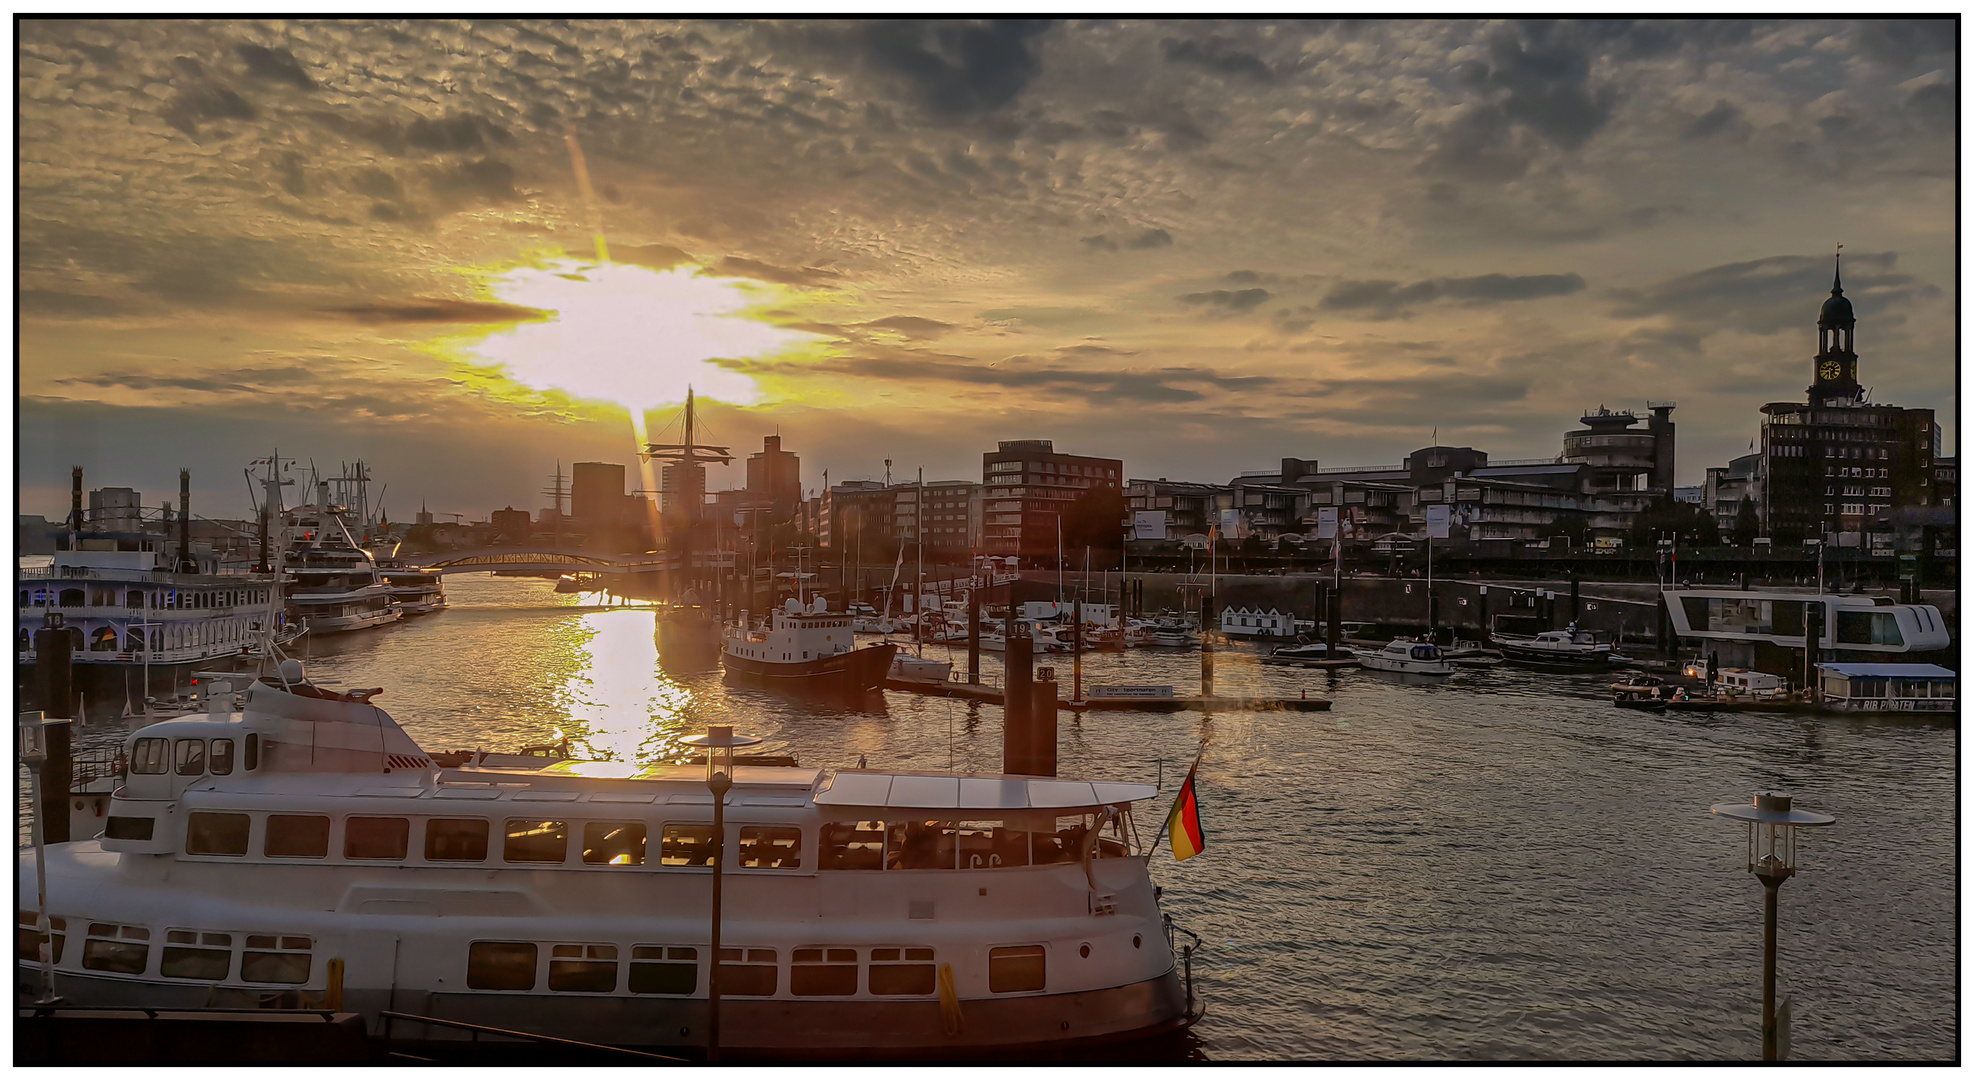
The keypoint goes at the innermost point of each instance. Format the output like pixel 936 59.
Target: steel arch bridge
pixel 547 560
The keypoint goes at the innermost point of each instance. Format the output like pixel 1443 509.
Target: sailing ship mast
pixel 688 464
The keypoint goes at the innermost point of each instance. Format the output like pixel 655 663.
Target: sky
pixel 468 251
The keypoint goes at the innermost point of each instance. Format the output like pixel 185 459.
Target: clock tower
pixel 1835 368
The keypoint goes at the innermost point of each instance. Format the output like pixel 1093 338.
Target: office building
pixel 1028 486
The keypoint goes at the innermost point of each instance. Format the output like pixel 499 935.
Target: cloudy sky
pixel 1199 247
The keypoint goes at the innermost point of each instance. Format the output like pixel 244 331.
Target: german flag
pixel 1188 838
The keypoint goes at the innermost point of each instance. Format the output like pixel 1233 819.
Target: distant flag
pixel 1188 838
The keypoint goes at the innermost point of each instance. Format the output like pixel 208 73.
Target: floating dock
pixel 991 695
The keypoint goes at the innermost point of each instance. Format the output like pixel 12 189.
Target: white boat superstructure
pixel 333 584
pixel 864 912
pixel 1407 656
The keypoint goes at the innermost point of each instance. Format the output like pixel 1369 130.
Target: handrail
pixel 509 1033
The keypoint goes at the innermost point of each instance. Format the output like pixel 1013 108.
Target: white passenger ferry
pixel 306 847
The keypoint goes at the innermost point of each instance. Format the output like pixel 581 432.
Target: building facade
pixel 775 475
pixel 1027 487
pixel 944 515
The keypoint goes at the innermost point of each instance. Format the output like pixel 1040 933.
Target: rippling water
pixel 1499 865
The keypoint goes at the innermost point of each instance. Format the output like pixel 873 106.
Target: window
pixel 252 759
pixel 28 941
pixel 823 973
pixel 775 847
pixel 1065 845
pixel 1868 628
pixel 276 958
pixel 191 757
pixel 192 955
pixel 456 839
pixel 536 841
pixel 148 757
pixel 296 836
pixel 902 971
pixel 1015 968
pixel 848 845
pixel 686 844
pixel 128 828
pixel 376 837
pixel 990 843
pixel 221 761
pixel 919 845
pixel 216 834
pixel 664 969
pixel 500 965
pixel 753 976
pixel 122 949
pixel 614 843
pixel 588 969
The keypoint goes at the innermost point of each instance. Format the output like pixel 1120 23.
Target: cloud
pixel 956 68
pixel 275 65
pixel 437 311
pixel 912 326
pixel 1216 53
pixel 808 277
pixel 1725 119
pixel 1151 238
pixel 1764 296
pixel 1099 242
pixel 1228 300
pixel 1167 385
pixel 1389 296
pixel 652 256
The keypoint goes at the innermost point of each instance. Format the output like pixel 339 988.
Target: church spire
pixel 1837 281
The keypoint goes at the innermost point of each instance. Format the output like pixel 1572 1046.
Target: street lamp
pixel 718 742
pixel 1772 828
pixel 34 754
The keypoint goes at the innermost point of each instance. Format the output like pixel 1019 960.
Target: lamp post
pixel 718 742
pixel 34 753
pixel 1772 825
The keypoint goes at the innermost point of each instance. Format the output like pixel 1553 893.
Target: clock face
pixel 1830 369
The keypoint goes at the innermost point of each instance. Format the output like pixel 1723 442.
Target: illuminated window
pixel 773 847
pixel 613 843
pixel 686 844
pixel 529 840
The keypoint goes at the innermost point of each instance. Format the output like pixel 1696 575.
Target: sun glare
pixel 631 335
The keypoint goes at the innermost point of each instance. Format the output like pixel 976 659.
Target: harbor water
pixel 1495 865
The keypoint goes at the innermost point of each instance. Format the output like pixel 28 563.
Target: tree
pixel 1747 523
pixel 1096 521
pixel 1694 526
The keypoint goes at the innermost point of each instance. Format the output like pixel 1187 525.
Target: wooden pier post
pixel 1205 647
pixel 1042 724
pixel 55 685
pixel 1076 655
pixel 1017 691
pixel 973 636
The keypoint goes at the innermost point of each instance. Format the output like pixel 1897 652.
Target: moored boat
pixel 1406 656
pixel 1569 647
pixel 804 647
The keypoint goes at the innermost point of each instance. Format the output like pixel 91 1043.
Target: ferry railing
pixel 507 1033
pixel 1170 929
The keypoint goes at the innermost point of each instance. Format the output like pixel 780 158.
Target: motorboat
pixel 1640 692
pixel 1311 652
pixel 1171 632
pixel 1567 647
pixel 917 669
pixel 305 847
pixel 804 646
pixel 1407 656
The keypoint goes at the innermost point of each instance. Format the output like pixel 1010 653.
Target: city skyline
pixel 1196 247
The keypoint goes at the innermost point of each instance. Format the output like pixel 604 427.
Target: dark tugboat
pixel 804 647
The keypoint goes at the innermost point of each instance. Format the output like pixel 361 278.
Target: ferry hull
pixel 857 671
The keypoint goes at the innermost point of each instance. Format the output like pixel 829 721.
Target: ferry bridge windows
pixel 500 965
pixel 852 845
pixel 128 828
pixel 664 969
pixel 919 845
pixel 208 833
pixel 902 971
pixel 189 954
pixel 988 844
pixel 613 843
pixel 588 969
pixel 28 941
pixel 771 847
pixel 530 840
pixel 296 836
pixel 1016 968
pixel 822 972
pixel 376 837
pixel 749 972
pixel 191 757
pixel 150 757
pixel 121 949
pixel 275 958
pixel 251 760
pixel 456 840
pixel 220 761
pixel 686 844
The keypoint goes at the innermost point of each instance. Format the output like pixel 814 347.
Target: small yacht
pixel 1306 653
pixel 917 669
pixel 1172 632
pixel 305 846
pixel 1570 647
pixel 1407 656
pixel 804 646
pixel 417 590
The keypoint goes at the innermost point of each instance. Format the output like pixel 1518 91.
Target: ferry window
pixel 664 969
pixel 769 846
pixel 221 761
pixel 686 844
pixel 184 958
pixel 271 958
pixel 754 975
pixel 252 759
pixel 990 843
pixel 529 840
pixel 902 971
pixel 590 969
pixel 456 839
pixel 823 973
pixel 376 837
pixel 28 941
pixel 191 757
pixel 296 836
pixel 1065 844
pixel 216 834
pixel 500 965
pixel 852 845
pixel 123 949
pixel 614 843
pixel 1016 968
pixel 919 845
pixel 119 827
pixel 148 757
